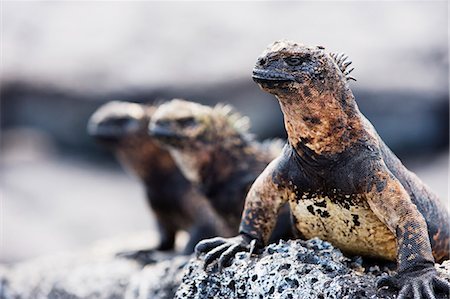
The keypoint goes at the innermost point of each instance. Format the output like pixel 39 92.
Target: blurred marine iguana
pixel 215 151
pixel 343 183
pixel 177 205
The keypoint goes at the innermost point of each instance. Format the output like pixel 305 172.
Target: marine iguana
pixel 215 151
pixel 177 205
pixel 343 183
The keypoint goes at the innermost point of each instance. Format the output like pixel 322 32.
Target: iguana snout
pixel 112 122
pixel 286 66
pixel 165 132
pixel 179 123
pixel 284 63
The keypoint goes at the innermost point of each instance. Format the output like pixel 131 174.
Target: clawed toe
pixel 207 245
pixel 423 284
pixel 222 249
pixel 428 291
pixel 404 292
pixel 441 284
pixel 214 254
pixel 416 289
pixel 387 281
pixel 228 255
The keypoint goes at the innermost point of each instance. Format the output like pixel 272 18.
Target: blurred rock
pixel 293 269
pixel 95 273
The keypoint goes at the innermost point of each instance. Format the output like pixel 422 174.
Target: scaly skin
pixel 343 183
pixel 177 205
pixel 213 148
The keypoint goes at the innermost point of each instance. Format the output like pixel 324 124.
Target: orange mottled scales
pixel 343 183
pixel 346 221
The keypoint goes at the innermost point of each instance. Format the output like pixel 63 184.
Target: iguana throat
pixel 326 123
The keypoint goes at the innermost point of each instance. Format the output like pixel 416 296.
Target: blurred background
pixel 61 60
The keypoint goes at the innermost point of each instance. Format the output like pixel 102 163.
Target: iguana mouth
pixel 270 76
pixel 106 136
pixel 163 133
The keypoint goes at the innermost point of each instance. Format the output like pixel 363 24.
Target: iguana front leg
pixel 416 276
pixel 262 204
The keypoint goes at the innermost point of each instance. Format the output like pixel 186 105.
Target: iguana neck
pixel 147 161
pixel 230 160
pixel 326 123
pixel 236 173
pixel 216 163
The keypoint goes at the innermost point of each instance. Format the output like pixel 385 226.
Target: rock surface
pixel 294 269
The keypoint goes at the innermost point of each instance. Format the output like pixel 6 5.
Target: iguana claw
pixel 418 284
pixel 223 249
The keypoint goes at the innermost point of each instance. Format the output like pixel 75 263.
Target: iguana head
pixel 311 86
pixel 285 66
pixel 116 121
pixel 200 137
pixel 123 128
pixel 184 124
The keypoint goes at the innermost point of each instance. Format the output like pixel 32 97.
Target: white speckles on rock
pixel 294 269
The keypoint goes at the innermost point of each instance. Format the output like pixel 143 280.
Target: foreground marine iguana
pixel 214 150
pixel 177 205
pixel 343 183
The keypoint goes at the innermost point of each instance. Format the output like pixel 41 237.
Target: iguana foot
pixel 223 249
pixel 417 284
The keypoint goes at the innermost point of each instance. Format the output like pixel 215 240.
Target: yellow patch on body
pixel 347 222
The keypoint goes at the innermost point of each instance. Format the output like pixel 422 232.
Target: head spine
pixel 343 63
pixel 234 119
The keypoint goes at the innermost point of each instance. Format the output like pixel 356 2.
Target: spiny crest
pixel 238 122
pixel 343 63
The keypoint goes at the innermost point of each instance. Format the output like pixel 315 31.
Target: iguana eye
pixel 294 61
pixel 186 121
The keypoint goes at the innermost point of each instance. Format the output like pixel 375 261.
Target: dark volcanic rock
pixel 294 269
